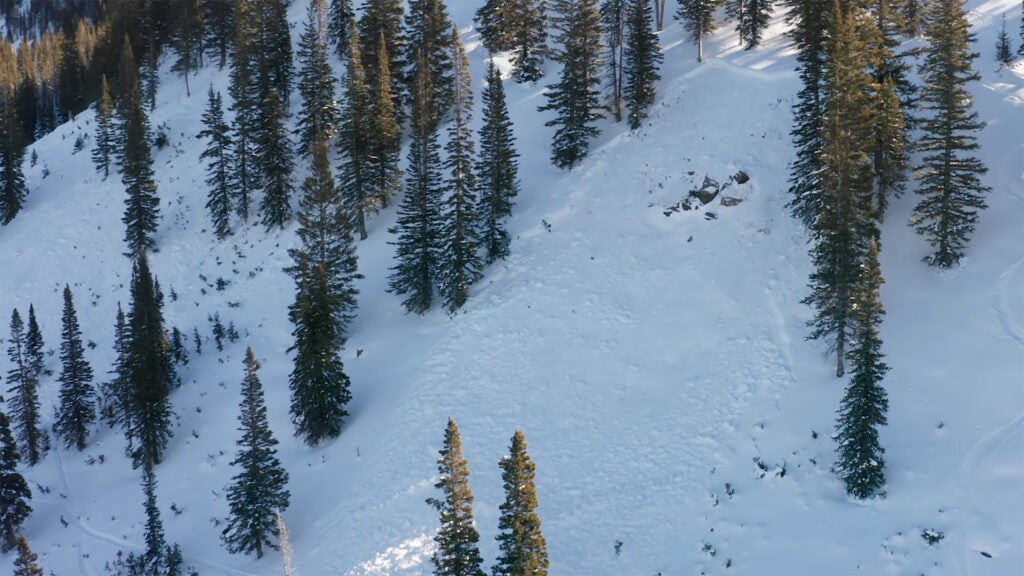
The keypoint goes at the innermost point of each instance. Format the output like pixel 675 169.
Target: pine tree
pixel 218 171
pixel 14 491
pixel 523 549
pixel 613 22
pixel 863 409
pixel 319 113
pixel 356 183
pixel 77 398
pixel 325 270
pixel 457 553
pixel 752 17
pixel 913 17
pixel 1004 52
pixel 13 189
pixel 698 18
pixel 23 384
pixel 149 370
pixel 459 264
pixel 71 80
pixel 245 178
pixel 27 562
pixel 142 205
pixel 156 542
pixel 642 58
pixel 386 142
pixel 575 98
pixel 529 39
pixel 889 150
pixel 383 18
pixel 117 393
pixel 419 217
pixel 187 37
pixel 274 156
pixel 844 227
pixel 949 177
pixel 219 20
pixel 427 33
pixel 1020 49
pixel 258 490
pixel 497 168
pixel 34 345
pixel 104 149
pixel 338 25
pixel 495 21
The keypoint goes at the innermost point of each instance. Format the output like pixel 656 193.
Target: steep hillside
pixel 650 353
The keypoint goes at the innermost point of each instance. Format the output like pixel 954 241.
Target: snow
pixel 648 358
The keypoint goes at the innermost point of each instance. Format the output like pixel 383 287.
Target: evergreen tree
pixel 419 217
pixel 156 542
pixel 218 172
pixel 523 550
pixel 613 22
pixel 752 17
pixel 34 345
pixel 427 33
pixel 77 398
pixel 863 409
pixel 187 37
pixel 319 113
pixel 274 156
pixel 27 562
pixel 457 553
pixel 497 168
pixel 1020 49
pixel 104 149
pixel 219 20
pixel 949 177
pixel 529 38
pixel 245 178
pixel 142 206
pixel 844 227
pixel 1004 52
pixel 71 75
pixel 459 264
pixel 23 384
pixel 12 154
pixel 575 98
pixel 913 17
pixel 385 145
pixel 356 140
pixel 149 370
pixel 339 26
pixel 14 491
pixel 258 490
pixel 698 18
pixel 383 18
pixel 496 20
pixel 642 58
pixel 889 149
pixel 117 393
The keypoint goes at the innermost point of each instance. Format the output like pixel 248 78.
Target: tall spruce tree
pixel 150 373
pixel 752 18
pixel 497 169
pixel 529 39
pixel 457 553
pixel 23 385
pixel 116 409
pixel 383 18
pixel 575 98
pixel 844 228
pixel 14 491
pixel 613 23
pixel 355 142
pixel 459 265
pixel 187 31
pixel 245 178
pixel 338 25
pixel 219 196
pixel 495 21
pixel 385 145
pixel 1020 49
pixel 274 156
pixel 319 114
pixel 1004 51
pixel 13 189
pixel 419 217
pixel 698 17
pixel 948 175
pixel 104 149
pixel 641 60
pixel 34 345
pixel 523 549
pixel 27 562
pixel 77 398
pixel 860 461
pixel 427 33
pixel 258 490
pixel 142 205
pixel 219 20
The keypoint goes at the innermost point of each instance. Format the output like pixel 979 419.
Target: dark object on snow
pixel 740 177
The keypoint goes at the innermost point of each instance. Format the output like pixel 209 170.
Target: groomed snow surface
pixel 649 355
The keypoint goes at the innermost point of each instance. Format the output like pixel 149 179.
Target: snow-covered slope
pixel 648 354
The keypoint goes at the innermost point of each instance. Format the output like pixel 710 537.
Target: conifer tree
pixel 889 149
pixel 529 38
pixel 34 345
pixel 149 370
pixel 752 17
pixel 274 156
pixel 339 26
pixel 427 32
pixel 1020 49
pixel 844 227
pixel 245 178
pixel 386 143
pixel 698 17
pixel 319 115
pixel 575 98
pixel 457 553
pixel 949 176
pixel 641 60
pixel 356 183
pixel 219 197
pixel 383 18
pixel 77 398
pixel 23 384
pixel 104 149
pixel 419 217
pixel 27 562
pixel 860 461
pixel 497 168
pixel 258 490
pixel 459 265
pixel 142 205
pixel 325 270
pixel 913 17
pixel 13 189
pixel 219 21
pixel 523 549
pixel 613 23
pixel 156 542
pixel 187 37
pixel 14 491
pixel 1004 52
pixel 71 80
pixel 495 21
pixel 117 393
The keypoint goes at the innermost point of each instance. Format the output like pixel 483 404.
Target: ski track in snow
pixel 1010 301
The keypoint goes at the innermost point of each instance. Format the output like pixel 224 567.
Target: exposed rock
pixel 740 177
pixel 730 200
